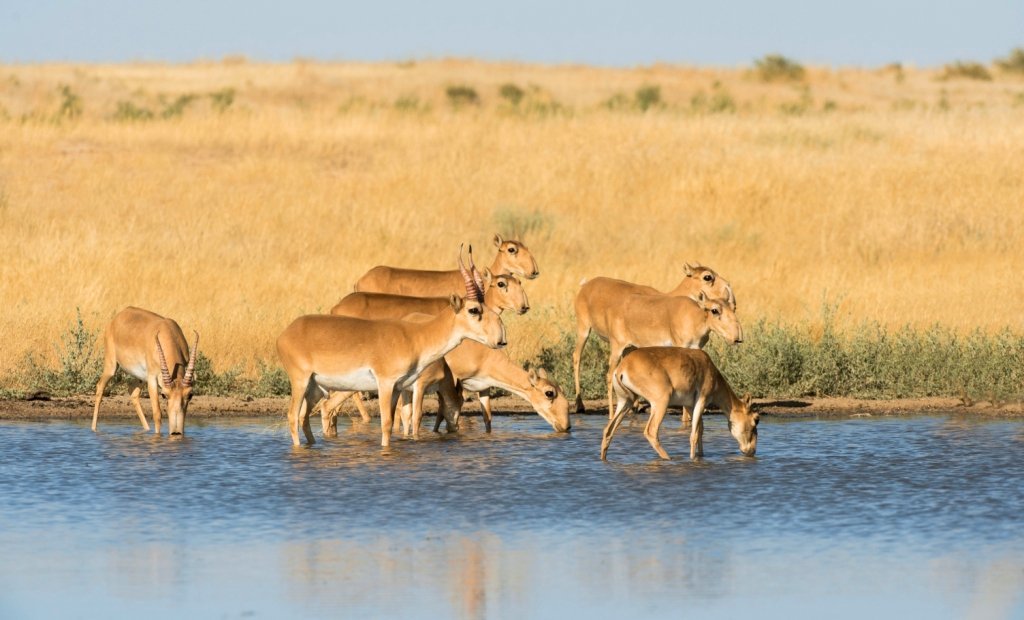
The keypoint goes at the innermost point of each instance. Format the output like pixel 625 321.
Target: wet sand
pixel 119 406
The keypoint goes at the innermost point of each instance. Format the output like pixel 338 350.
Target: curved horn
pixel 477 278
pixel 190 370
pixel 164 373
pixel 471 289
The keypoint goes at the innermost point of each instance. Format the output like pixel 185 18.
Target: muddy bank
pixel 80 407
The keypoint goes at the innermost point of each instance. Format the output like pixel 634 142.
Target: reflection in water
pixel 833 518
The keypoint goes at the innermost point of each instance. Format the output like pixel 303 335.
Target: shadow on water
pixel 839 518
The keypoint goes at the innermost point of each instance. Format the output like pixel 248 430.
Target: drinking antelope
pixel 153 349
pixel 326 352
pixel 600 304
pixel 676 377
pixel 501 292
pixel 513 258
pixel 660 320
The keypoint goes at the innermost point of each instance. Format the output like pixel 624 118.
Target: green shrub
pixel 212 383
pixel 271 381
pixel 511 93
pixel 177 107
pixel 128 111
pixel 779 361
pixel 647 97
pixel 618 101
pixel 557 359
pixel 966 70
pixel 719 102
pixel 778 68
pixel 1013 62
pixel 409 103
pixel 70 104
pixel 517 223
pixel 222 99
pixel 460 96
pixel 79 365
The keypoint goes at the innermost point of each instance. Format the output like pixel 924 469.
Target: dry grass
pixel 893 194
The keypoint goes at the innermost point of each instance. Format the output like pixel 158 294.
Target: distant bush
pixel 896 69
pixel 511 93
pixel 70 104
pixel 719 102
pixel 647 97
pixel 409 103
pixel 177 107
pixel 966 70
pixel 128 111
pixel 222 99
pixel 516 223
pixel 801 106
pixel 778 68
pixel 1013 62
pixel 460 96
pixel 618 101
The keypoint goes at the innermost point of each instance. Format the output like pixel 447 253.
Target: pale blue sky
pixel 620 33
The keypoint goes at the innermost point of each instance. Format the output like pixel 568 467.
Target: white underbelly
pixel 136 369
pixel 361 380
pixel 476 384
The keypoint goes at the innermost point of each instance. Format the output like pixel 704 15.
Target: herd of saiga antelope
pixel 407 332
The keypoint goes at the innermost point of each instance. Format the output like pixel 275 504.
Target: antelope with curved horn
pixel 326 352
pixel 504 292
pixel 153 349
pixel 512 258
pixel 674 377
pixel 601 303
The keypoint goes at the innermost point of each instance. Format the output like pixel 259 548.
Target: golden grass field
pixel 890 193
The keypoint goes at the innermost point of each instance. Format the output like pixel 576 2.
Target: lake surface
pixel 851 518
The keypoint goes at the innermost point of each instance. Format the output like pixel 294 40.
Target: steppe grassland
pixel 888 194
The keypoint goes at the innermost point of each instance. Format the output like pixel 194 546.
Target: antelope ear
pixel 498 240
pixel 746 399
pixel 688 270
pixel 532 376
pixel 543 374
pixel 700 298
pixel 456 303
pixel 488 278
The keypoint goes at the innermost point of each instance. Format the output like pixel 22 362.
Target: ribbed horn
pixel 471 290
pixel 190 370
pixel 477 278
pixel 164 373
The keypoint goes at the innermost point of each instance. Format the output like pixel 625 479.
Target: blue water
pixel 908 516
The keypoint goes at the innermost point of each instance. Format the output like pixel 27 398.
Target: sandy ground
pixel 79 407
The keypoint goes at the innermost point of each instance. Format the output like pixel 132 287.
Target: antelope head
pixel 515 258
pixel 720 318
pixel 505 292
pixel 177 390
pixel 743 425
pixel 477 321
pixel 710 283
pixel 549 401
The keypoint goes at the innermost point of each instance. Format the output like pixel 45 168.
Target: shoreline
pixel 212 407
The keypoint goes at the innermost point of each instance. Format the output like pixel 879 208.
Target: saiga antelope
pixel 660 320
pixel 150 348
pixel 599 304
pixel 674 377
pixel 501 292
pixel 325 352
pixel 513 258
